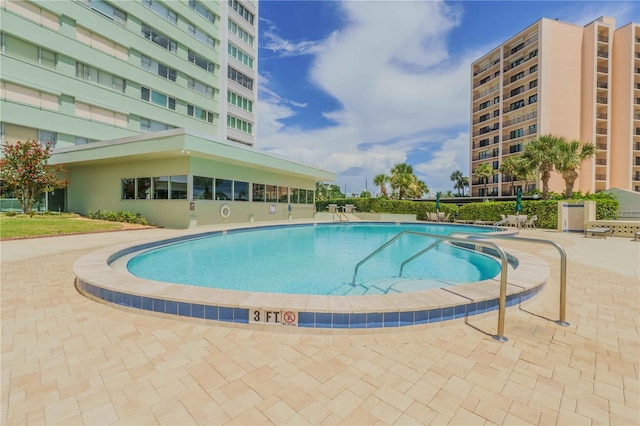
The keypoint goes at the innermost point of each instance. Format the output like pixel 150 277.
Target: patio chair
pixel 599 231
pixel 433 217
pixel 531 222
pixel 349 208
pixel 332 208
pixel 502 221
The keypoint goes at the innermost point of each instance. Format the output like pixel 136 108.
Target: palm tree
pixel 525 171
pixel 484 172
pixel 569 157
pixel 381 181
pixel 401 178
pixel 465 184
pixel 416 188
pixel 458 178
pixel 509 167
pixel 541 153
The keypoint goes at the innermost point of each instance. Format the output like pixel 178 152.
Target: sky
pixel 355 87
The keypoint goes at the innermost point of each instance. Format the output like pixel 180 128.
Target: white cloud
pixel 390 71
pixel 587 12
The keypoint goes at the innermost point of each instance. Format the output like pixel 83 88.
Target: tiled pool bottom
pixel 99 281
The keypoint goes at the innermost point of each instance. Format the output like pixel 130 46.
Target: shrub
pixel 119 216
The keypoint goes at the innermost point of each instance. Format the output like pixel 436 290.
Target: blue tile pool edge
pixel 318 320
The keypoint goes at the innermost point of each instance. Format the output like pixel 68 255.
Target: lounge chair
pixel 433 217
pixel 349 208
pixel 531 222
pixel 333 208
pixel 636 236
pixel 599 231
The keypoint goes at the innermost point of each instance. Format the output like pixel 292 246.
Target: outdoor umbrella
pixel 437 201
pixel 519 201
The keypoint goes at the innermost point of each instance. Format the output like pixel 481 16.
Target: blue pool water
pixel 316 260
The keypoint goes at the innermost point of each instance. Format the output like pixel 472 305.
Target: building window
pixel 178 187
pixel 240 55
pixel 224 189
pixel 533 99
pixel 242 34
pixel 516 105
pixel 200 35
pixel 242 11
pixel 515 133
pixel 147 125
pixel 198 86
pixel 533 84
pixel 157 98
pixel 202 10
pixel 128 186
pixel 202 188
pixel 239 124
pixel 240 191
pixel 158 68
pixel 533 69
pixel 238 77
pixel 161 10
pixel 159 39
pixel 108 11
pixel 201 62
pixel 45 137
pixel 258 192
pixel 89 73
pixel 239 101
pixel 517 90
pixel 200 113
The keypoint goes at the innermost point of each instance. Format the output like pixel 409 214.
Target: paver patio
pixel 69 360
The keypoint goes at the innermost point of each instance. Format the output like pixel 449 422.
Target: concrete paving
pixel 68 360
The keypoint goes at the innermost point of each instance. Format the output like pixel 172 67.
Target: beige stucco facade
pixel 558 78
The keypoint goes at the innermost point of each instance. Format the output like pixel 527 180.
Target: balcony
pixel 601 100
pixel 520 135
pixel 486 92
pixel 603 54
pixel 520 119
pixel 486 67
pixel 603 39
pixel 601 177
pixel 602 85
pixel 603 69
pixel 636 146
pixel 636 176
pixel 601 146
pixel 602 115
pixel 601 131
pixel 521 46
pixel 601 161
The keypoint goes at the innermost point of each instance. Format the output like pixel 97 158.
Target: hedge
pixel 546 210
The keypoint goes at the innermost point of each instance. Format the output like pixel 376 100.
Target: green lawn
pixel 59 224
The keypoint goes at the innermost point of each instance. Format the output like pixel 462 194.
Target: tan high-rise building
pixel 557 78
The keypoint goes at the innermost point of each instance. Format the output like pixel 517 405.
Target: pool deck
pixel 70 360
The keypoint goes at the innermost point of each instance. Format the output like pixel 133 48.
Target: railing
pixel 486 92
pixel 478 239
pixel 563 270
pixel 603 69
pixel 518 48
pixel 520 119
pixel 602 100
pixel 601 131
pixel 602 115
pixel 603 54
pixel 603 39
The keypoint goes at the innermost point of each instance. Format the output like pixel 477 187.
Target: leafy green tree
pixel 525 171
pixel 365 194
pixel 381 181
pixel 484 172
pixel 24 169
pixel 569 157
pixel 541 153
pixel 401 178
pixel 325 191
pixel 509 167
pixel 459 182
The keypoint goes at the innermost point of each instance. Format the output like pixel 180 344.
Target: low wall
pixel 621 228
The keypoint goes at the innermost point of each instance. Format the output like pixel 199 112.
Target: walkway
pixel 69 360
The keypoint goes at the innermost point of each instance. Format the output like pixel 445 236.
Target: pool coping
pixel 97 279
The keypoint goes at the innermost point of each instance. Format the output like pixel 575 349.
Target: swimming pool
pixel 103 277
pixel 317 260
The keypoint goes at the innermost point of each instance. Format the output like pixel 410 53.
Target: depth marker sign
pixel 264 316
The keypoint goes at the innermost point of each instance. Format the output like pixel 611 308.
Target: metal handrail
pixel 503 268
pixel 417 255
pixel 563 266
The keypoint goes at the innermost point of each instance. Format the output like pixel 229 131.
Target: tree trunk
pixel 570 178
pixel 546 175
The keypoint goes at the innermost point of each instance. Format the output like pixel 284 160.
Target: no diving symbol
pixel 289 317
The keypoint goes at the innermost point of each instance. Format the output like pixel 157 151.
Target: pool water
pixel 316 260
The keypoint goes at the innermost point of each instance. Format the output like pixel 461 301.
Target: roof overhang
pixel 181 142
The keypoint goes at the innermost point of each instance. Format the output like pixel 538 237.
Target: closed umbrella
pixel 437 201
pixel 519 201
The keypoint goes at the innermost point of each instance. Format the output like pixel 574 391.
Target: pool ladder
pixel 479 239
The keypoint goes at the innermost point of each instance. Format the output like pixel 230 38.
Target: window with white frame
pixel 89 73
pixel 242 11
pixel 147 125
pixel 239 78
pixel 159 39
pixel 239 101
pixel 200 35
pixel 240 55
pixel 158 68
pixel 157 98
pixel 239 124
pixel 105 9
pixel 46 137
pixel 28 52
pixel 200 87
pixel 200 113
pixel 201 62
pixel 202 10
pixel 161 10
pixel 241 33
